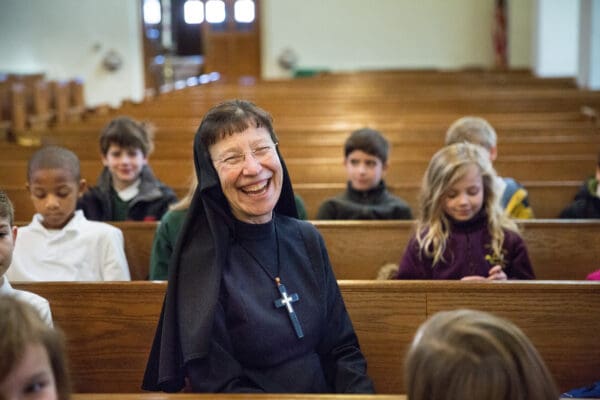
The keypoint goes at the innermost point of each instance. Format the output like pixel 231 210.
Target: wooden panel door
pixel 232 48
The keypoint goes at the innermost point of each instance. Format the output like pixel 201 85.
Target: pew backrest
pixel 110 325
pixel 558 249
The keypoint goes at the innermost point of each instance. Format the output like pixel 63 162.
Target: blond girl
pixel 462 233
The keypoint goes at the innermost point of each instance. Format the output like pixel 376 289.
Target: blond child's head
pixel 8 233
pixel 54 183
pixel 33 362
pixel 457 185
pixel 449 166
pixel 473 130
pixel 467 354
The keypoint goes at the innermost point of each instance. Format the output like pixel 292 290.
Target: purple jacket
pixel 468 244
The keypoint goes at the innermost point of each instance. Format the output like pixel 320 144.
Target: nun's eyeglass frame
pixel 260 153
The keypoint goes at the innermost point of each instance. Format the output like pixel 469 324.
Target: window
pixel 215 11
pixel 244 11
pixel 193 12
pixel 152 13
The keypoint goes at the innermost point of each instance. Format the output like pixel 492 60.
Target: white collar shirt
pixel 81 251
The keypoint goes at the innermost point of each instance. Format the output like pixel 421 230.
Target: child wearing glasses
pixel 366 195
pixel 126 189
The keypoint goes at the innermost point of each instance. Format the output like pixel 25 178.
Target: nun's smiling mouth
pixel 256 188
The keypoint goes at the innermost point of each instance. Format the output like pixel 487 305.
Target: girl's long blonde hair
pixel 185 202
pixel 447 166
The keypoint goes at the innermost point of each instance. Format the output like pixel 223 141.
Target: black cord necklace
pixel 285 300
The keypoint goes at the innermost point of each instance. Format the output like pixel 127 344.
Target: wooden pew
pixel 522 168
pixel 109 330
pixel 176 172
pixel 558 249
pixel 547 198
pixel 169 145
pixel 235 396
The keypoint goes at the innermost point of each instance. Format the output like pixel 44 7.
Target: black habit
pixel 219 325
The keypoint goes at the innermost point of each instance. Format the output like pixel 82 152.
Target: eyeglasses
pixel 260 153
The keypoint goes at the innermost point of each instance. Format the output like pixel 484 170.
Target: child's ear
pixel 384 168
pixel 82 187
pixel 14 230
pixel 493 153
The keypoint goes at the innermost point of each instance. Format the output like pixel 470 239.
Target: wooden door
pixel 232 48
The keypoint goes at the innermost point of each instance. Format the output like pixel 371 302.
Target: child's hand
pixel 496 273
pixel 473 278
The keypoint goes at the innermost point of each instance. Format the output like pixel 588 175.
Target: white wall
pixel 520 33
pixel 588 75
pixel 38 35
pixel 41 36
pixel 556 36
pixel 379 34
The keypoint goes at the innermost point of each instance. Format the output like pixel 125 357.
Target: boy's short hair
pixel 54 157
pixel 7 210
pixel 368 140
pixel 127 132
pixel 473 130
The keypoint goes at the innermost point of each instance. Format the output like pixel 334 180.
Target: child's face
pixel 124 164
pixel 54 193
pixel 365 171
pixel 31 378
pixel 463 200
pixel 8 235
